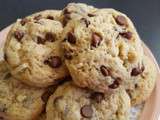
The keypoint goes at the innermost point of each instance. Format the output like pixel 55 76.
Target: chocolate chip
pixel 96 40
pixel 18 35
pixel 40 40
pixel 127 35
pixel 98 97
pixel 66 19
pixel 50 37
pixel 91 15
pixel 1 118
pixel 137 71
pixel 115 84
pixel 5 56
pixel 66 11
pixel 7 76
pixel 54 62
pixel 121 20
pixel 87 111
pixel 104 70
pixel 50 17
pixel 87 22
pixel 136 85
pixel 38 17
pixel 24 21
pixel 71 38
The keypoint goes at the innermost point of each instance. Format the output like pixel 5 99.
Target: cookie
pixel 18 101
pixel 32 50
pixel 102 54
pixel 142 86
pixel 76 11
pixel 73 103
pixel 1 53
pixel 3 69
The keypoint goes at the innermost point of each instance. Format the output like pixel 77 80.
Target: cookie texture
pixel 18 101
pixel 141 86
pixel 101 55
pixel 42 116
pixel 72 103
pixel 32 50
pixel 76 11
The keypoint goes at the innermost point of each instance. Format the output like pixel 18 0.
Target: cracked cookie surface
pixel 102 53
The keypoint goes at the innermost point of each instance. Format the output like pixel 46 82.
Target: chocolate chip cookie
pixel 32 50
pixel 18 101
pixel 142 85
pixel 73 103
pixel 102 55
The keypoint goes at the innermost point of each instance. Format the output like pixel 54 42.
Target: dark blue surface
pixel 144 13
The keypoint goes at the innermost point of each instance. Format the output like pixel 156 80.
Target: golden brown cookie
pixel 101 51
pixel 18 101
pixel 32 49
pixel 70 102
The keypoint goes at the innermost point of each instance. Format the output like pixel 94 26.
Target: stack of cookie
pixel 81 63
